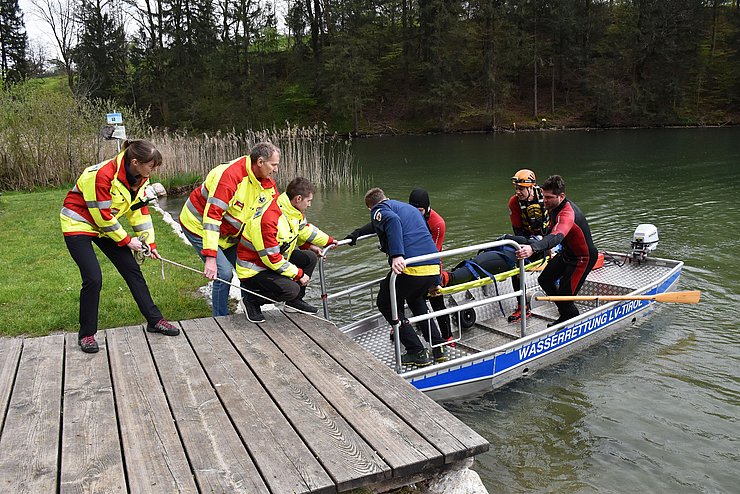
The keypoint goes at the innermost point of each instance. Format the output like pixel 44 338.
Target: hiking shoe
pixel 440 354
pixel 302 306
pixel 254 312
pixel 517 314
pixel 164 327
pixel 444 278
pixel 420 359
pixel 88 344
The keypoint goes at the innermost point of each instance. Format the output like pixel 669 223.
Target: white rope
pixel 146 251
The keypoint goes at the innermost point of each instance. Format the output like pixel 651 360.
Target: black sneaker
pixel 88 344
pixel 254 313
pixel 440 354
pixel 164 327
pixel 302 306
pixel 420 359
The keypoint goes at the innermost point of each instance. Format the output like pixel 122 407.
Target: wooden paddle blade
pixel 687 297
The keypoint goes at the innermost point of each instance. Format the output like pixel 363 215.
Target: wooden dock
pixel 288 406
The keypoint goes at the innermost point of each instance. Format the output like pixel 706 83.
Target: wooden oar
pixel 688 297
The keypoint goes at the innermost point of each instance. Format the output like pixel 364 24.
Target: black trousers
pixel 278 287
pixel 438 303
pixel 411 290
pixel 516 283
pixel 81 249
pixel 492 261
pixel 572 275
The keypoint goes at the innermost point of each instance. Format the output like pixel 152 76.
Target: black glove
pixel 352 237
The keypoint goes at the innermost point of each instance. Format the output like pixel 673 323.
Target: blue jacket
pixel 402 231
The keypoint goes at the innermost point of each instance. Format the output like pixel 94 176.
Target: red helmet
pixel 524 178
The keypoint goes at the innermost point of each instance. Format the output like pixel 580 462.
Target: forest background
pixel 392 66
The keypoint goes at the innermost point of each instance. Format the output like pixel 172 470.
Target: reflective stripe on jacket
pixel 217 210
pixel 99 198
pixel 270 238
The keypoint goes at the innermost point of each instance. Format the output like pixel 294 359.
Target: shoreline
pixel 532 128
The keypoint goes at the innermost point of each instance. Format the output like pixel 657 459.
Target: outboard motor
pixel 644 240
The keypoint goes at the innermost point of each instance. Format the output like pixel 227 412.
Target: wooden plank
pixel 10 353
pixel 91 448
pixel 284 461
pixel 154 456
pixel 449 434
pixel 29 447
pixel 349 460
pixel 403 448
pixel 218 457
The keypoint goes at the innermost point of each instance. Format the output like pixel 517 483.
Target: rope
pixel 146 252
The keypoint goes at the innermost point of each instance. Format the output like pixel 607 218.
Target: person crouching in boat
pixel 578 255
pixel 267 260
pixel 529 218
pixel 403 234
pixel 101 195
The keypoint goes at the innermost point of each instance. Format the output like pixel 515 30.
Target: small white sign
pixel 119 132
pixel 114 118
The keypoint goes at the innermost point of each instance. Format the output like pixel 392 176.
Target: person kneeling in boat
pixel 529 218
pixel 578 255
pixel 403 234
pixel 268 265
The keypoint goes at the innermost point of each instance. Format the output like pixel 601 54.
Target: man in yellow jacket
pixel 268 263
pixel 212 218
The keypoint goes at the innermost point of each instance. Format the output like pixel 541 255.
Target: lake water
pixel 655 409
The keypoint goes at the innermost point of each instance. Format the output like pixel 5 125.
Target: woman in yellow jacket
pixel 267 261
pixel 101 195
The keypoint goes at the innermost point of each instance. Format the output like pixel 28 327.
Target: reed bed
pixel 309 152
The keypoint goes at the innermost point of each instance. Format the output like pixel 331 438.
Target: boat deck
pixel 290 405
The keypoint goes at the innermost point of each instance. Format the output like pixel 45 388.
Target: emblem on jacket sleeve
pixel 378 216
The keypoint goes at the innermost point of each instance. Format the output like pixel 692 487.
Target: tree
pixel 59 16
pixel 13 42
pixel 101 53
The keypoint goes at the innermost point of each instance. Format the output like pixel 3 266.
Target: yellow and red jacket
pixel 217 210
pixel 99 198
pixel 270 238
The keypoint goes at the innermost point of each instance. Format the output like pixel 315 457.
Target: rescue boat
pixel 487 351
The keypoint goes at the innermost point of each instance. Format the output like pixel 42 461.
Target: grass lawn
pixel 40 283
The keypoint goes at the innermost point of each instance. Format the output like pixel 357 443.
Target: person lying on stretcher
pixel 487 263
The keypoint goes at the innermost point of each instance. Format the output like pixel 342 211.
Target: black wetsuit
pixel 570 229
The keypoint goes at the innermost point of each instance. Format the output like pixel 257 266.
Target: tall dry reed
pixel 309 152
